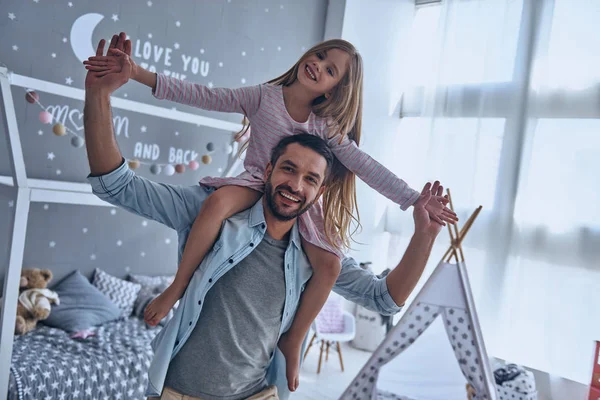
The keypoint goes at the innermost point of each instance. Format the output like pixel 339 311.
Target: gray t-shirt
pixel 227 354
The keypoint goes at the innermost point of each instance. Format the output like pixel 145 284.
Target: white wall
pixel 376 28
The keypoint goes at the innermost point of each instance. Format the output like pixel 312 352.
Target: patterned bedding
pixel 47 364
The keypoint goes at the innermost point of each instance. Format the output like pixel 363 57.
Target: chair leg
pixel 327 351
pixel 309 344
pixel 320 356
pixel 339 349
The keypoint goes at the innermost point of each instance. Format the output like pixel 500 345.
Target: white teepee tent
pixel 446 294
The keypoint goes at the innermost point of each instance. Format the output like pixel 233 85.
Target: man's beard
pixel 277 211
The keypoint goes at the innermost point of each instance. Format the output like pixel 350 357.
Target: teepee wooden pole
pixel 457 236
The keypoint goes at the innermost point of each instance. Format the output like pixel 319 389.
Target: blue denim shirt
pixel 177 208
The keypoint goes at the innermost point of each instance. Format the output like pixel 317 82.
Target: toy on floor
pixel 34 299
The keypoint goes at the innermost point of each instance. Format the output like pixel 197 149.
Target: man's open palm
pixel 120 71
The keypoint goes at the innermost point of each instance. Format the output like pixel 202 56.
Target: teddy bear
pixel 34 299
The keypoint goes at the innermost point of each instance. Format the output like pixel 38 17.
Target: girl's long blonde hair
pixel 343 110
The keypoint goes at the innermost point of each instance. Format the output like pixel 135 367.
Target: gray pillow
pixel 81 305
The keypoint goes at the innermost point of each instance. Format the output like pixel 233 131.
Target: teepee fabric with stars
pixel 447 295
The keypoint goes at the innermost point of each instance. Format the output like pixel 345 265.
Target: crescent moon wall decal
pixel 81 35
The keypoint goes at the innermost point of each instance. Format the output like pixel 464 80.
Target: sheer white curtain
pixel 500 99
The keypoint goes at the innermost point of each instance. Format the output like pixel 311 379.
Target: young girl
pixel 322 95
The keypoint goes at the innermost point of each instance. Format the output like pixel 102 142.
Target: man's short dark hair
pixel 312 142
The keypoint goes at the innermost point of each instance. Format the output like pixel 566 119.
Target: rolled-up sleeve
pixel 364 288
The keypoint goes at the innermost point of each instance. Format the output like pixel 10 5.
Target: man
pixel 222 341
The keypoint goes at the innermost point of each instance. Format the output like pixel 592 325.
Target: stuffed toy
pixel 34 299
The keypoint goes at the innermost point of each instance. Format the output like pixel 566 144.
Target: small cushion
pixel 120 291
pixel 82 306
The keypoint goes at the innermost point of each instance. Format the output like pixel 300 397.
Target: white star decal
pixel 149 4
pixel 68 81
pixel 281 6
pixel 58 172
pixel 266 10
pixel 88 391
pixel 176 133
pixel 76 393
pixel 144 223
pixel 15 47
pixel 177 24
pixel 47 374
pixel 201 51
pixel 46 206
pixel 36 1
pixel 113 211
pixel 119 243
pixel 69 382
pixel 210 85
pixel 64 40
pixel 143 254
pixel 115 17
pixel 51 244
pixel 40 132
pixel 94 378
pixel 11 203
pixel 70 4
pixel 167 241
pixel 11 16
pixel 219 170
pixel 262 49
pixel 243 54
pixel 278 48
pixel 124 94
pixel 54 385
pixel 53 55
pixel 61 396
pixel 84 230
pixel 92 257
pixel 51 156
pixel 149 36
pixel 143 128
pixel 176 45
pixel 220 63
pixel 243 80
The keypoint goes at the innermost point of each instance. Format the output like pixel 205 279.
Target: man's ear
pixel 268 171
pixel 321 191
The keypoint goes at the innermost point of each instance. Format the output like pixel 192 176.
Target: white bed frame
pixel 49 191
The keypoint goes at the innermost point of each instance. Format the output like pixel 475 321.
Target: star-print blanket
pixel 112 364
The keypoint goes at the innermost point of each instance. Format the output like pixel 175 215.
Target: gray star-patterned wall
pixel 218 43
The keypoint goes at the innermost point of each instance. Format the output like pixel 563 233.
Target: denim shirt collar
pixel 256 217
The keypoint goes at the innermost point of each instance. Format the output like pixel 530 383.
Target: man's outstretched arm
pixel 111 179
pixel 402 280
pixel 387 295
pixel 103 151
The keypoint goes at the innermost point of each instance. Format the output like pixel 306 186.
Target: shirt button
pixel 251 244
pixel 231 261
pixel 288 266
pixel 190 323
pixel 199 302
pixel 210 280
pixel 177 343
pixel 290 292
pixel 262 226
pixel 271 354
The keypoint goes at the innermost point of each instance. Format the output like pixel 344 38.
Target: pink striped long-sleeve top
pixel 265 108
